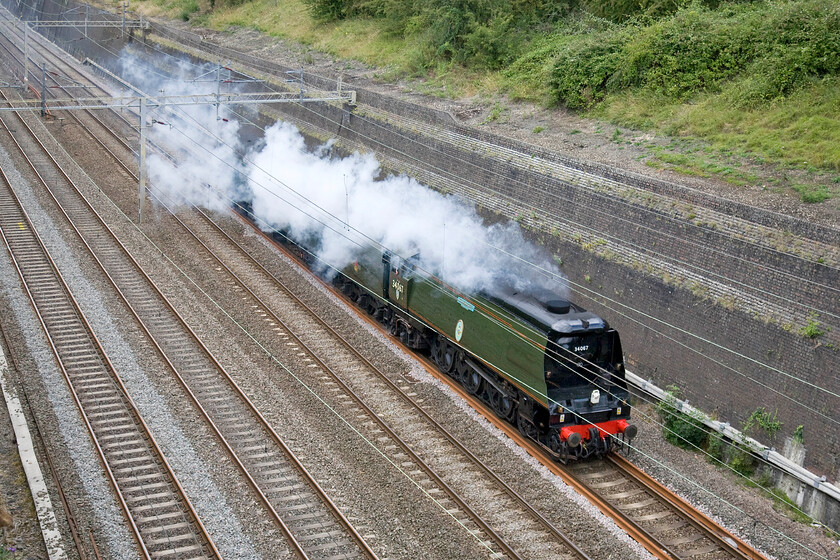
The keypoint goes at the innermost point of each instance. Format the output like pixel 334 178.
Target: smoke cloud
pixel 338 206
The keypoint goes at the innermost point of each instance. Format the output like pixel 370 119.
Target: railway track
pixel 666 525
pixel 429 455
pixel 467 517
pixel 116 142
pixel 675 547
pixel 158 512
pixel 310 523
pixel 475 524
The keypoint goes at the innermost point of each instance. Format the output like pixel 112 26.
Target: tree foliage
pixel 771 49
pixel 676 48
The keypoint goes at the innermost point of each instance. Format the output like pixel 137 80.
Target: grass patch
pixel 698 163
pixel 812 329
pixel 813 194
pixel 801 130
pixel 188 8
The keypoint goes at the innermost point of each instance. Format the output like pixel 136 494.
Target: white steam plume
pixel 313 196
pixel 338 206
pixel 202 159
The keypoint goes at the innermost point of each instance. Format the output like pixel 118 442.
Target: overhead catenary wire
pixel 687 332
pixel 689 347
pixel 262 346
pixel 644 249
pixel 155 47
pixel 230 200
pixel 181 59
pixel 648 250
pixel 653 421
pixel 433 148
pixel 579 288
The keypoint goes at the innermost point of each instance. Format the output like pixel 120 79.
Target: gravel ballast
pixel 400 521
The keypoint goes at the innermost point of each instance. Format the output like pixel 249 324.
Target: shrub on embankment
pixel 752 52
pixel 756 78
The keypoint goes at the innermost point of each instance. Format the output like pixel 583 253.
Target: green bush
pixel 812 329
pixel 680 429
pixel 716 448
pixel 483 33
pixel 188 9
pixel 693 51
pixel 620 10
pixel 583 66
pixel 760 419
pixel 332 10
pixel 773 49
pixel 742 462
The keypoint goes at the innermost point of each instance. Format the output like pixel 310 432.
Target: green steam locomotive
pixel 540 362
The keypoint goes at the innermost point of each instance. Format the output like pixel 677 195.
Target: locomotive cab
pixel 586 388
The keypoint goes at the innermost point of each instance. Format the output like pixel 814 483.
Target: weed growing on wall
pixel 682 430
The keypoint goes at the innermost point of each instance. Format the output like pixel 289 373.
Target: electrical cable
pixel 580 288
pixel 710 273
pixel 694 483
pixel 156 48
pixel 650 419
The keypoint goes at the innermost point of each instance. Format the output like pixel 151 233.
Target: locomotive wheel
pixel 462 370
pixel 365 303
pixel 526 428
pixel 448 354
pixel 435 351
pixel 503 406
pixel 473 382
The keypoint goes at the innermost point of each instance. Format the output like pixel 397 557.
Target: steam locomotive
pixel 540 362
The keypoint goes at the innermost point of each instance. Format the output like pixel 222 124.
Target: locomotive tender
pixel 553 369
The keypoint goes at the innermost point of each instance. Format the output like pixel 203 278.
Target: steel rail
pixel 370 413
pixel 546 524
pixel 643 537
pixel 68 514
pixel 113 375
pixel 453 495
pixel 402 444
pixel 637 533
pixel 255 487
pixel 334 510
pixel 382 376
pixel 708 527
pixel 724 539
pixel 709 530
